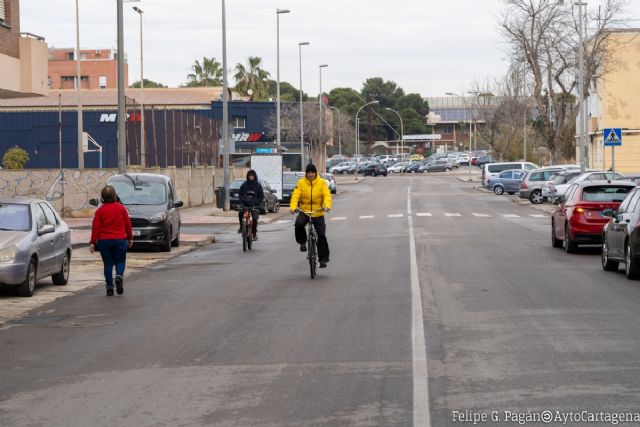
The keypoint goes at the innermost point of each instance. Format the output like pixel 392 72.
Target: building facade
pixel 98 69
pixel 614 102
pixel 23 56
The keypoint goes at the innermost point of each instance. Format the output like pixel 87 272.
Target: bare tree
pixel 542 36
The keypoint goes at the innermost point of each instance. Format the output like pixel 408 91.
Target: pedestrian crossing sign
pixel 613 137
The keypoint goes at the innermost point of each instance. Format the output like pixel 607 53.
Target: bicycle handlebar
pixel 298 210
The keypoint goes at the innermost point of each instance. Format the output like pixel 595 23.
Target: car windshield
pixel 14 217
pixel 236 184
pixel 144 192
pixel 605 193
pixel 289 179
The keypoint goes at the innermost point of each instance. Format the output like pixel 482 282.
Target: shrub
pixel 15 158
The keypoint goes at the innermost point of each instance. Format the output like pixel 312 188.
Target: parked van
pixel 494 169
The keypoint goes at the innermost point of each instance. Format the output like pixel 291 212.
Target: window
pixel 50 82
pixel 3 16
pixel 41 219
pixel 537 176
pixel 15 217
pixel 71 56
pixel 518 174
pixel 51 217
pixel 102 82
pixel 605 193
pixel 633 206
pixel 239 122
pixel 507 175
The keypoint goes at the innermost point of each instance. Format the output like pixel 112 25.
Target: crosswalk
pixel 431 215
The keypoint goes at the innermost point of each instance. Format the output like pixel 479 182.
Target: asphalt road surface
pixel 225 338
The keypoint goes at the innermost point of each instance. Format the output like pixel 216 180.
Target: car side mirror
pixel 93 202
pixel 46 229
pixel 178 204
pixel 609 212
pixel 558 200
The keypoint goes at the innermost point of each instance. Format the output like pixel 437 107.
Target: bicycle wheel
pixel 249 236
pixel 244 235
pixel 313 258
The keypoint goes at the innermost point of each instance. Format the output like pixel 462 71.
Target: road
pixel 219 337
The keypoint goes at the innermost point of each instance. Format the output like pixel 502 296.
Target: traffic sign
pixel 613 137
pixel 266 150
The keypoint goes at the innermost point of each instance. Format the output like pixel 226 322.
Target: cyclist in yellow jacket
pixel 312 195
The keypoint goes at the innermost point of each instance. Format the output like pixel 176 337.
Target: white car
pixel 341 168
pixel 463 159
pixel 398 167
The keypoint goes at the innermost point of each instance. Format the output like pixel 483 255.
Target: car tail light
pixel 523 185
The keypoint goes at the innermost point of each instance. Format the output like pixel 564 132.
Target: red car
pixel 583 212
pixel 474 161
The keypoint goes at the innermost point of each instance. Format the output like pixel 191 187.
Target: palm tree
pixel 252 80
pixel 207 73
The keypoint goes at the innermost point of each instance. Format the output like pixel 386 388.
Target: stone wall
pixel 195 186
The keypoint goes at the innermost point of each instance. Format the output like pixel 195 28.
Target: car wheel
pixel 607 264
pixel 176 242
pixel 555 242
pixel 28 287
pixel 536 197
pixel 570 246
pixel 166 244
pixel 276 208
pixel 632 264
pixel 498 190
pixel 61 278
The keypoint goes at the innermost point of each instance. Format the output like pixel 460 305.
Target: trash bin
pixel 220 197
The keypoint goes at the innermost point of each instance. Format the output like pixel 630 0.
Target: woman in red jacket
pixel 111 232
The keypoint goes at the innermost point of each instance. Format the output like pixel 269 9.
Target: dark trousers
pixel 321 229
pixel 255 214
pixel 114 253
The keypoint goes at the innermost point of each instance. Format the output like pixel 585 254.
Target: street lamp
pixel 339 132
pixel 225 109
pixel 583 128
pixel 358 127
pixel 78 84
pixel 143 149
pixel 401 128
pixel 320 67
pixel 278 13
pixel 301 113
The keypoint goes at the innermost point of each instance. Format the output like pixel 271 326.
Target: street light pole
pixel 143 149
pixel 78 96
pixel 358 127
pixel 122 114
pixel 401 129
pixel 321 129
pixel 278 13
pixel 302 165
pixel 225 109
pixel 583 129
pixel 339 132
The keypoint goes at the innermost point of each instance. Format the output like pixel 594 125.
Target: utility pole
pixel 225 109
pixel 583 129
pixel 78 88
pixel 122 114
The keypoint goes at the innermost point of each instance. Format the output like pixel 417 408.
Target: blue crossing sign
pixel 612 137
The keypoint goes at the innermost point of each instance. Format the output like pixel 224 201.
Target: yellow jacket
pixel 311 196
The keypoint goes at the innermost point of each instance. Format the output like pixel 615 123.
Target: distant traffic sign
pixel 266 150
pixel 612 137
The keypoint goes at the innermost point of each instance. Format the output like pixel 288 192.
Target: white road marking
pixel 367 217
pixel 511 216
pixel 452 214
pixel 421 414
pixel 339 218
pixel 283 221
pixel 481 215
pixel 424 214
pixel 396 216
pixel 537 216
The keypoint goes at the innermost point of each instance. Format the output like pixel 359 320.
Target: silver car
pixel 331 182
pixel 34 243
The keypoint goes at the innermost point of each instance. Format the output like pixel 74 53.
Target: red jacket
pixel 111 222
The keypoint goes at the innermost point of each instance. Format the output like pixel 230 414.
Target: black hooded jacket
pixel 251 193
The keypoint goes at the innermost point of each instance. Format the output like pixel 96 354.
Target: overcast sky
pixel 426 46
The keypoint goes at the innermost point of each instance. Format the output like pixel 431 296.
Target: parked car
pixel 331 182
pixel 385 159
pixel 494 169
pixel 584 211
pixel 533 181
pixel 414 166
pixel 549 191
pixel 442 165
pixel 269 204
pixel 34 243
pixel 398 167
pixel 342 168
pixel 464 159
pixel 153 208
pixel 621 237
pixel 375 169
pixel 635 178
pixel 507 182
pixel 560 189
pixel 474 161
pixel 483 160
pixel 289 182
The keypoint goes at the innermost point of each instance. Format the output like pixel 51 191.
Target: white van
pixel 494 169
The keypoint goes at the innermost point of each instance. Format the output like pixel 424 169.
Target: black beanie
pixel 311 168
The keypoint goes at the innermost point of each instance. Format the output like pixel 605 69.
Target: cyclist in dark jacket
pixel 251 195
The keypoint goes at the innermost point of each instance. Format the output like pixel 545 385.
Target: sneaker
pixel 109 292
pixel 323 264
pixel 303 247
pixel 119 285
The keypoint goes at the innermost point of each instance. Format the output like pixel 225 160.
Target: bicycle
pixel 312 242
pixel 247 228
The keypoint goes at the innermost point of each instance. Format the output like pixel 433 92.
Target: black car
pixel 269 204
pixel 414 167
pixel 483 160
pixel 374 169
pixel 153 208
pixel 289 182
pixel 621 237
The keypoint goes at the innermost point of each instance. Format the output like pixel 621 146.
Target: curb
pixel 203 242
